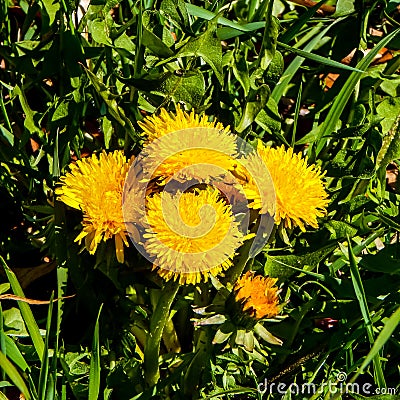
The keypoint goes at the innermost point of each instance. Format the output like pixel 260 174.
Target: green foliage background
pixel 73 84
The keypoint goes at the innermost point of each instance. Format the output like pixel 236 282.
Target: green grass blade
pixel 296 114
pixel 26 312
pixel 340 262
pixel 362 301
pixel 292 31
pixel 331 120
pixel 209 15
pixel 3 396
pixel 391 324
pixel 44 368
pixel 14 375
pixel 94 374
pixel 317 58
pixel 14 354
pixel 3 337
pixel 291 70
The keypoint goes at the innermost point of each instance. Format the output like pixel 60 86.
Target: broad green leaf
pixel 124 42
pixel 208 47
pixel 279 266
pixel 390 149
pixel 51 8
pixel 255 102
pixel 275 69
pixel 4 287
pixel 62 111
pixel 152 41
pixel 176 11
pixel 107 129
pixel 386 260
pixel 241 72
pixel 30 123
pixel 100 32
pixel 226 33
pixel 344 7
pixel 7 135
pixel 157 323
pixel 110 100
pixel 389 111
pixel 269 119
pixel 14 323
pixel 187 87
pixel 270 39
pixel 339 229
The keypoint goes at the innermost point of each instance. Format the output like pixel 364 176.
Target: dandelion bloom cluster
pixel 192 232
pixel 257 295
pixel 196 239
pixel 94 185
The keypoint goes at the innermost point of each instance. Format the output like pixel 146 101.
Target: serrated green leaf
pixel 152 41
pixel 279 266
pixel 99 31
pixel 339 229
pixel 186 87
pixel 107 129
pixel 176 11
pixel 4 287
pixel 124 42
pixel 51 8
pixel 389 111
pixel 208 47
pixel 14 322
pixel 255 102
pixel 344 7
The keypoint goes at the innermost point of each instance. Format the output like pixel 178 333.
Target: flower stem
pixel 157 324
pixel 236 270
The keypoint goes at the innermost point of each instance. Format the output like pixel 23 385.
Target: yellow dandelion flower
pixel 192 153
pixel 94 185
pixel 300 192
pixel 191 235
pixel 257 295
pixel 156 126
